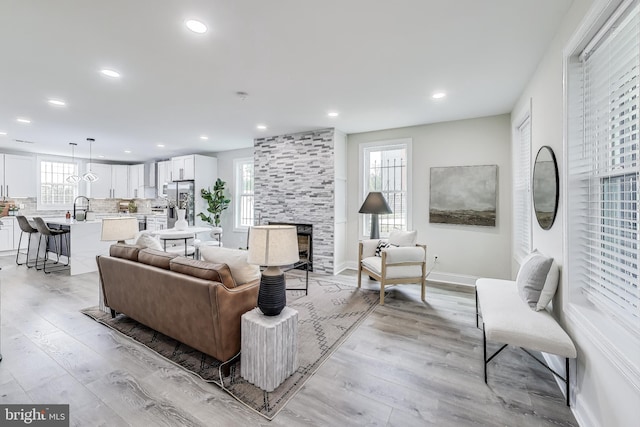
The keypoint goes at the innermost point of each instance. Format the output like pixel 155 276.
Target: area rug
pixel 326 317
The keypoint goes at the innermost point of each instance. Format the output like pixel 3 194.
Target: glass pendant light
pixel 73 178
pixel 90 176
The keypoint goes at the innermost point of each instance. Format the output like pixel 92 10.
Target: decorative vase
pixel 181 223
pixel 272 296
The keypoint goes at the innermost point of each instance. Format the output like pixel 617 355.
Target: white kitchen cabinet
pixel 164 176
pixel 6 234
pixel 17 176
pixel 136 181
pixel 156 222
pixel 112 183
pixel 183 168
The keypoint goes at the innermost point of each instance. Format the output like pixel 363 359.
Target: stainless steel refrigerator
pixel 183 194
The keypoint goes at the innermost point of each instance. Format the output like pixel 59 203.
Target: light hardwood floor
pixel 409 364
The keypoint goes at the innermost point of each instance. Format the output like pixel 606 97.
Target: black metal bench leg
pixel 477 308
pixel 566 366
pixel 484 359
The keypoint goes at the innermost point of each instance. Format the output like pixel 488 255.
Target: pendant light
pixel 73 178
pixel 90 176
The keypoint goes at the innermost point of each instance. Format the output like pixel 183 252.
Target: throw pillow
pixel 236 259
pixel 147 240
pixel 381 245
pixel 537 273
pixel 403 238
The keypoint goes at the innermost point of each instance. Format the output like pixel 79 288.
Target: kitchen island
pixel 85 243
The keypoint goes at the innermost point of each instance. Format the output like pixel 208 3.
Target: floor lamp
pixel 375 204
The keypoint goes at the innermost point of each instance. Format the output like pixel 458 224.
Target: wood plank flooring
pixel 409 364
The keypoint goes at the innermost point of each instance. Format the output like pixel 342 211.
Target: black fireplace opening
pixel 305 244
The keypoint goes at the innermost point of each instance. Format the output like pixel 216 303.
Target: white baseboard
pixel 339 268
pixel 452 278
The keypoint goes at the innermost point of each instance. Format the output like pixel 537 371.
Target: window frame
pixel 389 144
pixel 40 205
pixel 522 180
pixel 237 185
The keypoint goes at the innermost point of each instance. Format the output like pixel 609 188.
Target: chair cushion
pixel 405 254
pixel 403 238
pixel 537 280
pixel 155 258
pixel 236 259
pixel 374 264
pixel 203 270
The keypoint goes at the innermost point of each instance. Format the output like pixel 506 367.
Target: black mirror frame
pixel 557 179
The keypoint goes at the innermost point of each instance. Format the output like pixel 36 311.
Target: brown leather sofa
pixel 194 302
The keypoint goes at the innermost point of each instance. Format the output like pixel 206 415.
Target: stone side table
pixel 269 347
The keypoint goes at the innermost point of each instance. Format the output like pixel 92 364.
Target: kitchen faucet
pixel 74 205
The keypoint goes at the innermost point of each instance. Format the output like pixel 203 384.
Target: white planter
pixel 215 231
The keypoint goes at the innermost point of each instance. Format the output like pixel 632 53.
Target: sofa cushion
pixel 403 238
pixel 125 251
pixel 537 280
pixel 155 258
pixel 147 240
pixel 236 259
pixel 203 270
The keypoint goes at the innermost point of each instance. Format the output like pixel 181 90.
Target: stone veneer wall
pixel 294 181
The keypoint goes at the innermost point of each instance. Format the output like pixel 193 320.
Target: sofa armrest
pixel 403 254
pixel 228 306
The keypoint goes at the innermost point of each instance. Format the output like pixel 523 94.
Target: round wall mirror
pixel 545 187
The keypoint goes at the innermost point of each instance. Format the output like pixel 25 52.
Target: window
pixel 244 193
pixel 385 169
pixel 521 149
pixel 54 191
pixel 602 184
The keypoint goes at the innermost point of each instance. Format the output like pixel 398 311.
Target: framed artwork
pixel 464 195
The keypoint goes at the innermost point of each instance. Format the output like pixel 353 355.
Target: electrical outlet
pixel 21 206
pixel 435 259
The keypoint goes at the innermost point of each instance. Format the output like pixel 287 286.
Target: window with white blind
pixel 602 178
pixel 385 169
pixel 244 193
pixel 54 192
pixel 521 149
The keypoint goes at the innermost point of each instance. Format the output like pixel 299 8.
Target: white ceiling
pixel 376 62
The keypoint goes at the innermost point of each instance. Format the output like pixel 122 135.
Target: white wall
pixel 462 250
pixel 603 396
pixel 231 238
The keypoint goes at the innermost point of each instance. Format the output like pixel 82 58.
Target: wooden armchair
pixel 394 266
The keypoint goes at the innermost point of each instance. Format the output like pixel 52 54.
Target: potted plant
pixel 218 202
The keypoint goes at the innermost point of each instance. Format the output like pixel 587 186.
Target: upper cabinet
pixel 163 176
pixel 112 183
pixel 183 168
pixel 136 181
pixel 17 176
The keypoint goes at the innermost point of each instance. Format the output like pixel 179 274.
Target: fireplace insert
pixel 305 244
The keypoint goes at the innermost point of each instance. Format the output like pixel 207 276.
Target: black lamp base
pixel 272 296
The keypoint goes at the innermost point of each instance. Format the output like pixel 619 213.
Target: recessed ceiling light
pixel 110 73
pixel 23 120
pixel 204 137
pixel 57 102
pixel 160 145
pixel 438 95
pixel 332 114
pixel 261 127
pixel 127 151
pixel 3 133
pixel 196 26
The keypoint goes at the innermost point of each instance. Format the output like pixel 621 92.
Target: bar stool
pixel 25 227
pixel 50 233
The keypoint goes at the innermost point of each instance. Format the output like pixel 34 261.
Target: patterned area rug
pixel 326 317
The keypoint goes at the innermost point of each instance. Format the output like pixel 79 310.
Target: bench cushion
pixel 509 320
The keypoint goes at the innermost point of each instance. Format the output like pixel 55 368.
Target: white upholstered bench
pixel 507 319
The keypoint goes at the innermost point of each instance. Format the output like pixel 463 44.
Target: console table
pixel 269 347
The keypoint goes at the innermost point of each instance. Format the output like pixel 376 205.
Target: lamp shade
pixel 119 229
pixel 375 203
pixel 273 245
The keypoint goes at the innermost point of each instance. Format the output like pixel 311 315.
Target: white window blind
pixel 522 190
pixel 603 173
